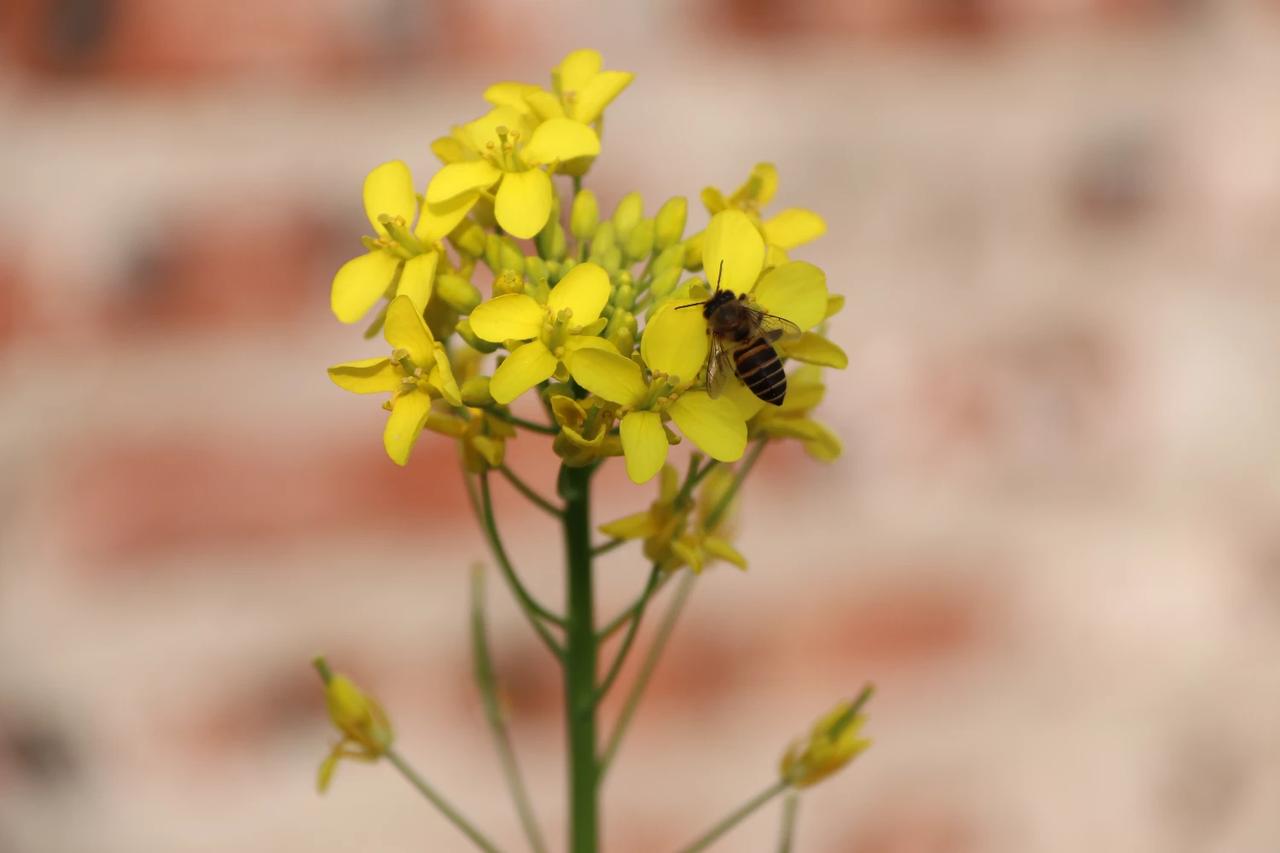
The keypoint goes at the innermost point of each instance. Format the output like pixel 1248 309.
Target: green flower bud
pixel 478 344
pixel 510 255
pixel 584 217
pixel 535 269
pixel 664 283
pixel 475 391
pixel 603 241
pixel 640 244
pixel 670 221
pixel 457 292
pixel 671 258
pixel 628 214
pixel 551 241
pixel 624 296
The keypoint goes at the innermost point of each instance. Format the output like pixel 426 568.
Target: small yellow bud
pixel 669 223
pixel 366 732
pixel 604 241
pixel 469 239
pixel 664 283
pixel 458 293
pixel 584 216
pixel 640 241
pixel 508 281
pixel 693 252
pixel 550 241
pixel 475 391
pixel 833 743
pixel 627 215
pixel 536 270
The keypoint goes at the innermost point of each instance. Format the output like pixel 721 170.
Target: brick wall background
pixel 1052 541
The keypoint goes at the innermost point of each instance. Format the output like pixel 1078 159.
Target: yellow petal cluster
pixel 365 729
pixel 834 741
pixel 498 287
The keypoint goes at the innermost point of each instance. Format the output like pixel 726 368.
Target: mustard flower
pixel 796 291
pixel 834 742
pixel 584 435
pixel 417 372
pixel 569 321
pixel 671 539
pixel 405 252
pixel 366 732
pixel 783 231
pixel 792 419
pixel 504 151
pixel 580 91
pixel 714 425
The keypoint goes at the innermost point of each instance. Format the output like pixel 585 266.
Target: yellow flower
pixel 785 230
pixel 714 425
pixel 569 321
pixel 417 372
pixel 404 253
pixel 676 340
pixel 366 732
pixel 580 92
pixel 805 391
pixel 670 539
pixel 833 743
pixel 503 151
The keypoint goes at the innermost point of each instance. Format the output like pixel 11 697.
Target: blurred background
pixel 1052 541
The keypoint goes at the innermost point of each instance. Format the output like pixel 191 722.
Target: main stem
pixel 580 661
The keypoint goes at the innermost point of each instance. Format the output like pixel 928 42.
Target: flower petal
pixel 408 415
pixel 406 330
pixel 748 404
pixel 759 186
pixel 511 316
pixel 675 341
pixel 793 226
pixel 459 178
pixel 713 424
pixel 509 94
pixel 636 526
pixel 389 189
pixel 580 342
pixel 544 104
pixel 585 291
pixel 606 374
pixel 361 282
pixel 577 69
pixel 418 278
pixel 813 348
pixel 558 140
pixel 367 376
pixel 731 238
pixel 524 368
pixel 796 291
pixel 441 378
pixel 644 443
pixel 437 220
pixel 484 130
pixel 717 547
pixel 523 204
pixel 598 93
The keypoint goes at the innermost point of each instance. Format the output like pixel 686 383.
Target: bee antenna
pixel 720 274
pixel 690 305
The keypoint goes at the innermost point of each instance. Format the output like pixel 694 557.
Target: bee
pixel 742 343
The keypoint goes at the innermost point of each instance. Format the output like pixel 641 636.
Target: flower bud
pixel 832 744
pixel 627 215
pixel 693 252
pixel 469 239
pixel 584 216
pixel 359 717
pixel 640 241
pixel 475 391
pixel 604 240
pixel 669 223
pixel 550 241
pixel 664 283
pixel 535 269
pixel 508 281
pixel 457 292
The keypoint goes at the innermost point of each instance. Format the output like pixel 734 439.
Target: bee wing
pixel 775 328
pixel 719 368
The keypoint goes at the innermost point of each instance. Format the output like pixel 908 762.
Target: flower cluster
pixel 582 311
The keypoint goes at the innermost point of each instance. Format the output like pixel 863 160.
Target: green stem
pixel 536 613
pixel 606 547
pixel 580 661
pixel 787 835
pixel 454 816
pixel 516 420
pixel 632 629
pixel 618 621
pixel 722 506
pixel 713 834
pixel 523 488
pixel 487 681
pixel 647 668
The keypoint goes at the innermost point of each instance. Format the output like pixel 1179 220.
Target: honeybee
pixel 742 343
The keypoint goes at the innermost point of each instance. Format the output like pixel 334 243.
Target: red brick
pixel 130 497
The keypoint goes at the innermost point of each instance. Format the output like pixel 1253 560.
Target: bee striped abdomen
pixel 758 366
